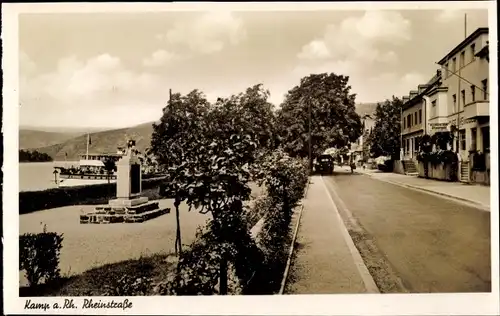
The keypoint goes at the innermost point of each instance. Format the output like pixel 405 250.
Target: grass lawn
pixel 94 281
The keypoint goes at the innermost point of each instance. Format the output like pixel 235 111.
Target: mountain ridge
pixel 100 142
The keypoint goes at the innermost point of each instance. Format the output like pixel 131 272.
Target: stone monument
pixel 129 206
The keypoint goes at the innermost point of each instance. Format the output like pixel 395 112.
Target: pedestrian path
pixel 326 261
pixel 475 194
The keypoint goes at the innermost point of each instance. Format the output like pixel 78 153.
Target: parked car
pixel 324 164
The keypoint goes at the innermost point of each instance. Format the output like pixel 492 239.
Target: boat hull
pixel 72 182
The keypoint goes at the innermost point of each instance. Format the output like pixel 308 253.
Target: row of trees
pixel 33 156
pixel 211 152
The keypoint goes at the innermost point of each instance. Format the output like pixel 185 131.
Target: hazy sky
pixel 115 69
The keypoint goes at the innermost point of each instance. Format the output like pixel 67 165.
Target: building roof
pixel 431 84
pixel 465 42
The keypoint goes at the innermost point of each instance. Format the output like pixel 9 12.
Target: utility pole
pixel 169 96
pixel 459 94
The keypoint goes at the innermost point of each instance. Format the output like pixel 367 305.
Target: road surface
pixel 412 241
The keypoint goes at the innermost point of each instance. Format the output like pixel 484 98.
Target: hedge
pixel 33 201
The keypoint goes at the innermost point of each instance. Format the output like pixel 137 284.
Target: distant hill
pixel 29 138
pixel 102 142
pixel 366 108
pixel 64 129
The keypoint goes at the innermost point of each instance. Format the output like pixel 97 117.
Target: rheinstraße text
pixel 90 303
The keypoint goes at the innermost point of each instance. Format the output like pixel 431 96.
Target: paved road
pixel 412 241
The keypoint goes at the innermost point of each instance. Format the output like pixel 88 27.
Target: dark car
pixel 324 164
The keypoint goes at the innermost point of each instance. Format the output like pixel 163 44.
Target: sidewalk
pixel 325 261
pixel 474 194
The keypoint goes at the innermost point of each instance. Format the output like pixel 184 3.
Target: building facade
pixel 360 149
pixel 466 75
pixel 419 115
pixel 456 101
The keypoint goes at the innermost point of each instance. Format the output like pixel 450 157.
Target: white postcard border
pixel 369 304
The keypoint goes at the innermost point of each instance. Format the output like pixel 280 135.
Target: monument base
pixel 124 211
pixel 128 202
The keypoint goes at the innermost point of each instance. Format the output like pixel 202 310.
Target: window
pixel 473 51
pixel 404 123
pixel 473 92
pixel 462 139
pixel 463 98
pixel 420 115
pixel 462 59
pixel 454 103
pixel 433 109
pixel 416 118
pixel 446 69
pixel 485 89
pixel 454 64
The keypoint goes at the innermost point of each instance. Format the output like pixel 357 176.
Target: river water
pixel 35 176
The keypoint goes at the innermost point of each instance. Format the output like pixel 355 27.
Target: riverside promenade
pixel 325 259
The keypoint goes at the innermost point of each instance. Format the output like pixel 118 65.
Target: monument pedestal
pixel 129 206
pixel 122 202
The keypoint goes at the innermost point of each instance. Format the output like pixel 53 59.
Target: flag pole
pixel 88 139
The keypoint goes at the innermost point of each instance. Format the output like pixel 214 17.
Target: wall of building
pixel 411 132
pixel 437 118
pixel 474 70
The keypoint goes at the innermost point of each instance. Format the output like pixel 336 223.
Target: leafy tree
pixel 174 143
pixel 258 115
pixel 385 137
pixel 109 166
pixel 33 156
pixel 335 122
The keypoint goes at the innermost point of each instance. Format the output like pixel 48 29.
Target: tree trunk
pixel 178 242
pixel 223 276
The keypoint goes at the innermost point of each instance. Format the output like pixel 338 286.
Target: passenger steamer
pixel 89 170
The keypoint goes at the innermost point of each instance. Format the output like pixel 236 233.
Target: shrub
pixel 129 285
pixel 198 269
pixel 285 179
pixel 438 157
pixel 39 256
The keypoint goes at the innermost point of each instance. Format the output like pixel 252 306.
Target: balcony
pixel 477 109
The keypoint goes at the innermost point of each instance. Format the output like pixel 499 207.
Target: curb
pixel 449 196
pixel 292 245
pixel 364 273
